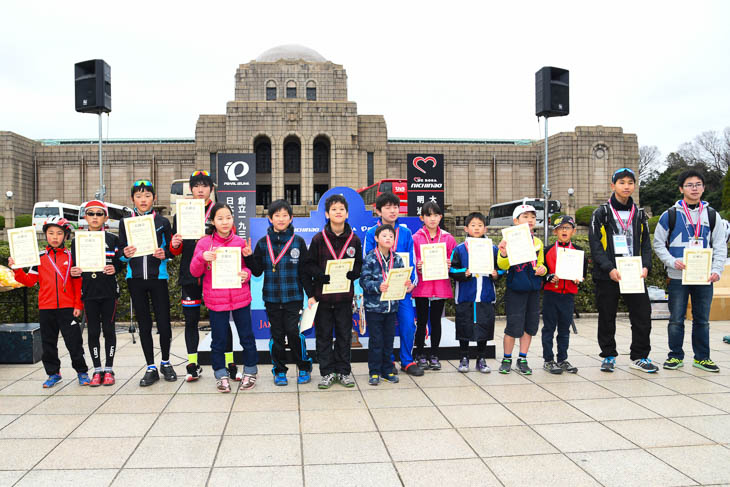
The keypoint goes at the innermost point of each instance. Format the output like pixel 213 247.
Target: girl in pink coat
pixel 430 296
pixel 224 302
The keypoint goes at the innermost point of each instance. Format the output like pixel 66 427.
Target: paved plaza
pixel 442 429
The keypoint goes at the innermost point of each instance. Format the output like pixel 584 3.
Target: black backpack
pixel 672 214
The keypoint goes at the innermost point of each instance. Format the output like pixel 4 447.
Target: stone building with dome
pixel 290 107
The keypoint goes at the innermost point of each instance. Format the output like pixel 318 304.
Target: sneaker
pixel 726 339
pixel 95 379
pixel 608 364
pixel 482 366
pixel 464 365
pixel 347 380
pixel 52 381
pixel 395 369
pixel 168 372
pixel 522 367
pixel 374 380
pixel 109 378
pixel 422 362
pixel 434 363
pixel 412 369
pixel 673 363
pixel 392 378
pixel 644 365
pixel 84 379
pixel 223 385
pixel 327 380
pixel 552 367
pixel 506 366
pixel 248 382
pixel 150 377
pixel 304 377
pixel 707 365
pixel 233 372
pixel 280 379
pixel 194 371
pixel 568 367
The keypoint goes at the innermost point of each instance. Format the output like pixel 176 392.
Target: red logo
pixel 417 160
pixel 417 179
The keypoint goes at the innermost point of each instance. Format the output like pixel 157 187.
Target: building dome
pixel 290 52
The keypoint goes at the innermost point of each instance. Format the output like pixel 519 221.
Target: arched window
pixel 292 154
pixel 270 90
pixel 311 90
pixel 262 149
pixel 291 89
pixel 321 153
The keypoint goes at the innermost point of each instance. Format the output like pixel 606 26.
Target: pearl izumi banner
pixel 237 188
pixel 425 181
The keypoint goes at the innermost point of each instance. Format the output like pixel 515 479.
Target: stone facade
pixel 290 106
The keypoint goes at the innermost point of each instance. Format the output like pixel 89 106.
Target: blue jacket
pixel 470 289
pixel 522 277
pixel 148 267
pixel 404 244
pixel 371 279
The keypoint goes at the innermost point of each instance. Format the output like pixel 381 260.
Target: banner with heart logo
pixel 425 181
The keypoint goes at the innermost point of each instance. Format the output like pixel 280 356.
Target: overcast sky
pixel 452 69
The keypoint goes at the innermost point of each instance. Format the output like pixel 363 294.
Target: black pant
pixel 607 295
pixel 381 332
pixel 557 312
pixel 481 348
pixel 100 316
pixel 284 321
pixel 337 317
pixel 428 311
pixel 52 321
pixel 142 291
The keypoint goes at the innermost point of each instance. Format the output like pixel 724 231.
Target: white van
pixel 500 215
pixel 46 209
pixel 116 213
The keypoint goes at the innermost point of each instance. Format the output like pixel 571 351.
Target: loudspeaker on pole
pixel 93 86
pixel 552 92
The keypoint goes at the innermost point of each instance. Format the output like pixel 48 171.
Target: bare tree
pixel 649 161
pixel 710 148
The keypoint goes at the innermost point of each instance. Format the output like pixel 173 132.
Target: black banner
pixel 237 188
pixel 425 181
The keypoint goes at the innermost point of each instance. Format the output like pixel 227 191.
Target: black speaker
pixel 93 86
pixel 551 92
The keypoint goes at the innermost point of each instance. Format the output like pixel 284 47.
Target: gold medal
pixel 273 268
pixel 93 275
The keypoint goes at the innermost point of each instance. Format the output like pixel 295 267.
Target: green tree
pixel 726 192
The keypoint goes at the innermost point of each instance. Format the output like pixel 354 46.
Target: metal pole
pixel 102 189
pixel 546 188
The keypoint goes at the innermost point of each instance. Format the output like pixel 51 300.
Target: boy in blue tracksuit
pixel 474 297
pixel 387 206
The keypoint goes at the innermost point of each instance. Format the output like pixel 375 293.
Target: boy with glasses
pixel 690 223
pixel 620 229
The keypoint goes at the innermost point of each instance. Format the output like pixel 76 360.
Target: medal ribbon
pixel 698 226
pixel 380 261
pixel 332 249
pixel 428 235
pixel 626 225
pixel 55 267
pixel 207 213
pixel 276 260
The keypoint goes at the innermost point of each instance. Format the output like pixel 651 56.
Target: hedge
pixel 653 221
pixel 23 221
pixel 2 222
pixel 583 215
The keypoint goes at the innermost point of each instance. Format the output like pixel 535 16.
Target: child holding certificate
pixel 336 242
pixel 59 302
pixel 280 257
pixel 99 292
pixel 620 229
pixel 224 302
pixel 431 295
pixel 691 227
pixel 522 297
pixel 147 279
pixel 201 185
pixel 387 206
pixel 475 296
pixel 558 300
pixel 381 314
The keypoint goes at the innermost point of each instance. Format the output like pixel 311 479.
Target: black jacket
pixel 97 285
pixel 148 267
pixel 186 249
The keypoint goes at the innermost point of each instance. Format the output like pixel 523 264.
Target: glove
pixel 351 275
pixel 324 278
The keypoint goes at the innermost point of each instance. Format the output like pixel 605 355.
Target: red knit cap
pixel 97 204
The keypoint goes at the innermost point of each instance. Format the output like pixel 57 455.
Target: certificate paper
pixel 481 256
pixel 569 264
pixel 406 257
pixel 141 234
pixel 23 247
pixel 630 269
pixel 308 317
pixel 190 216
pixel 337 270
pixel 698 266
pixel 396 282
pixel 435 266
pixel 226 266
pixel 520 247
pixel 90 251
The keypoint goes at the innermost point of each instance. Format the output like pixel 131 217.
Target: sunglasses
pixel 624 169
pixel 93 213
pixel 142 182
pixel 200 173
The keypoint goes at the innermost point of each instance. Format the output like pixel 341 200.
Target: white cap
pixel 522 209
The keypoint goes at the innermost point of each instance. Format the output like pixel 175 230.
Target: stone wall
pixel 18 171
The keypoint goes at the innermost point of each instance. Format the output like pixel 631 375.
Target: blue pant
pixel 381 331
pixel 407 329
pixel 219 329
pixel 701 302
pixel 557 312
